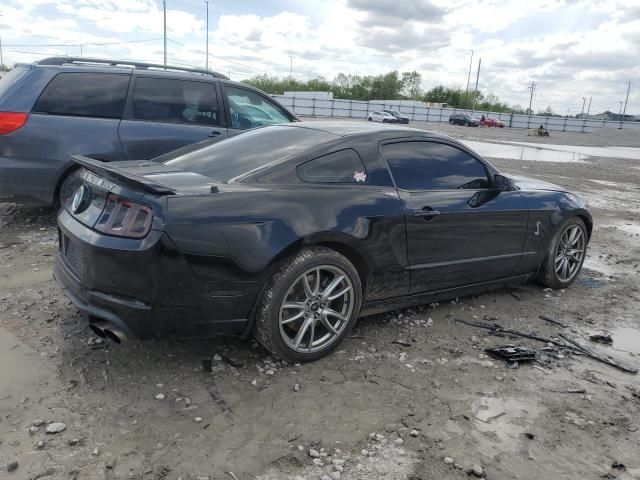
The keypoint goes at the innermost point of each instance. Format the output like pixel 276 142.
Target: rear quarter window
pixel 344 166
pixel 84 94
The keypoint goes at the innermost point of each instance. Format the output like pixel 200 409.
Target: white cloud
pixel 570 49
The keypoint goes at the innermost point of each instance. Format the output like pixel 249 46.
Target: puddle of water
pixel 547 152
pixel 501 423
pixel 626 339
pixel 525 152
pixel 630 153
pixel 630 228
pixel 598 264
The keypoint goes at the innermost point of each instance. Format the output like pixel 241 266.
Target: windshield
pixel 236 156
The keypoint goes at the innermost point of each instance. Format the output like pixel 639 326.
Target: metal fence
pixel 337 108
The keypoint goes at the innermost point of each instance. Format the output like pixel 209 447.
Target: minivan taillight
pixel 124 218
pixel 11 121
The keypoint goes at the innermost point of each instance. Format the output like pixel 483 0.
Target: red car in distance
pixel 492 122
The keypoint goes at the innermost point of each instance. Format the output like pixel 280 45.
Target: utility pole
pixel 532 88
pixel 81 50
pixel 164 9
pixel 469 75
pixel 624 111
pixel 291 70
pixel 620 108
pixel 589 107
pixel 584 101
pixel 475 90
pixel 207 62
pixel 1 61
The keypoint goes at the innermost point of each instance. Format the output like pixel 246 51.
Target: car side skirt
pixel 380 306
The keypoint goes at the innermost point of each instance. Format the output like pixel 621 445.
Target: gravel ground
pixel 410 394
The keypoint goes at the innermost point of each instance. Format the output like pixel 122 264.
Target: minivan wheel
pixel 565 256
pixel 309 306
pixel 370 119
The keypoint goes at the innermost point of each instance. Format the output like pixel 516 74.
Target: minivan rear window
pixel 84 94
pixel 10 78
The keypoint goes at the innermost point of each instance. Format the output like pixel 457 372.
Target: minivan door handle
pixel 426 212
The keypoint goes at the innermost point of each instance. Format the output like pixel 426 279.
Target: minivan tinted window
pixel 231 158
pixel 175 101
pixel 84 94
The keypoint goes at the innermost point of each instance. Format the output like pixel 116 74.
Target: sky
pixel 571 49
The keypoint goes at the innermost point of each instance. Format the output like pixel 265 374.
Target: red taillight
pixel 124 218
pixel 10 121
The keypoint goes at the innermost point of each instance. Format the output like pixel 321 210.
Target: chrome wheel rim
pixel 316 309
pixel 570 252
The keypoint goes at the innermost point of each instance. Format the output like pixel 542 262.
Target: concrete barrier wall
pixel 337 108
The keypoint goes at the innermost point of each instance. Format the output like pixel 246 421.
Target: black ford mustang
pixel 291 232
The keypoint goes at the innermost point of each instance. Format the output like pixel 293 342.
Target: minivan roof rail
pixel 124 63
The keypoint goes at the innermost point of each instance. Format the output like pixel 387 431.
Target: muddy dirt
pixel 409 395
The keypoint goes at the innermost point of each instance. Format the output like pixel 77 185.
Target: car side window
pixel 85 95
pixel 344 166
pixel 434 166
pixel 250 110
pixel 175 101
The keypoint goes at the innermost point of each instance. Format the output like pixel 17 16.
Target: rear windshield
pixel 241 154
pixel 8 79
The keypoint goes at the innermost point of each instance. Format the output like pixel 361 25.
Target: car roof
pixel 77 64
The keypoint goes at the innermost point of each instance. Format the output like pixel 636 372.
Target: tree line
pixel 389 86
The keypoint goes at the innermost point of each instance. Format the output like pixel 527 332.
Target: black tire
pixel 266 326
pixel 547 274
pixel 450 122
pixel 370 119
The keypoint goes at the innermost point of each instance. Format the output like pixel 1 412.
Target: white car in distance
pixel 383 117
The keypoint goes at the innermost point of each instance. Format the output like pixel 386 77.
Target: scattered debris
pixel 56 427
pixel 606 339
pixel 551 320
pixel 512 353
pixel 12 466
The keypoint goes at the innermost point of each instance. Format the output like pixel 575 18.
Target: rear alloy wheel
pixel 566 255
pixel 309 306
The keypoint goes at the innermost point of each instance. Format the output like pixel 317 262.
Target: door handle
pixel 425 212
pixel 215 133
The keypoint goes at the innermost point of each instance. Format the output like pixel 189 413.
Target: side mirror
pixel 501 183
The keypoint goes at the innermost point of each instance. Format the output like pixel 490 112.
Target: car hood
pixel 524 183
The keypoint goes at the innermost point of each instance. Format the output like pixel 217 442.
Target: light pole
pixel 164 10
pixel 207 62
pixel 1 60
pixel 291 70
pixel 469 75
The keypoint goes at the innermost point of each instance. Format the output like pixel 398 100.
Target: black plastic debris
pixel 512 353
pixel 606 339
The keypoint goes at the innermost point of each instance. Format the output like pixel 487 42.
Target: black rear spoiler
pixel 110 171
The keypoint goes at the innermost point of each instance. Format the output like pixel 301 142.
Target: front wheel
pixel 309 306
pixel 565 256
pixel 370 119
